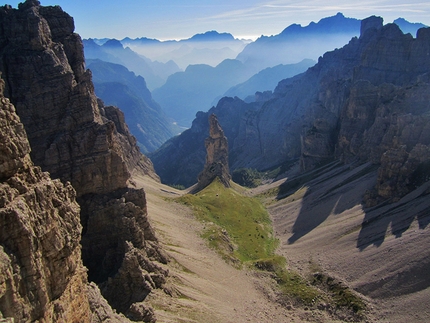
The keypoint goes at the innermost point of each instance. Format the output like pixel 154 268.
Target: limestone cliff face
pixel 216 165
pixel 357 103
pixel 79 140
pixel 42 277
pixel 42 62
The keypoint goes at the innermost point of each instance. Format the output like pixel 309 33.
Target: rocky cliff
pixel 41 268
pixel 79 140
pixel 188 149
pixel 357 103
pixel 216 165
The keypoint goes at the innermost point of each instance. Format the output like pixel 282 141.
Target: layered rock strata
pixel 359 102
pixel 79 140
pixel 216 165
pixel 42 277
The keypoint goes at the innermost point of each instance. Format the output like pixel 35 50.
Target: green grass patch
pixel 239 228
pixel 295 286
pixel 341 295
pixel 236 225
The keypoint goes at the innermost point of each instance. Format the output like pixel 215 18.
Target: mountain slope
pixel 115 85
pixel 112 51
pixel 193 90
pixel 267 79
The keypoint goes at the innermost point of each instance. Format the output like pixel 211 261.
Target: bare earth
pixel 316 229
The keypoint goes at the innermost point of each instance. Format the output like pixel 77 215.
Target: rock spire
pixel 216 158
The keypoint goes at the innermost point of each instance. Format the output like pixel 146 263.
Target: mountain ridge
pixel 117 86
pixel 87 146
pixel 308 125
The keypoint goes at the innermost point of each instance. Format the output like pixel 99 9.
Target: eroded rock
pixel 42 277
pixel 78 140
pixel 216 165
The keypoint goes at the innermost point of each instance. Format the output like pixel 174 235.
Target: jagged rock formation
pixel 356 103
pixel 188 149
pixel 77 139
pixel 216 165
pixel 42 62
pixel 41 272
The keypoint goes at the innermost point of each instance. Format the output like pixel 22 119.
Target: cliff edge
pixel 78 140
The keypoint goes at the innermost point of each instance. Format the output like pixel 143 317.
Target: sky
pixel 174 19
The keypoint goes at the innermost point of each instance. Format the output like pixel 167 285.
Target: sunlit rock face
pixel 41 272
pixel 216 156
pixel 43 66
pixel 79 141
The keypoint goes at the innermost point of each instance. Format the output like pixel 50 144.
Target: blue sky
pixel 173 19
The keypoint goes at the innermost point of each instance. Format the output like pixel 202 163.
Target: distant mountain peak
pixel 212 35
pixel 408 27
pixel 113 43
pixel 334 24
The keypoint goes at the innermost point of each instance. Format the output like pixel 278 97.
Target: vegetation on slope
pixel 239 228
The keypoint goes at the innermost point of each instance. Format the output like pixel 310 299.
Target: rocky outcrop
pixel 216 165
pixel 355 104
pixel 79 140
pixel 42 277
pixel 42 62
pixel 188 149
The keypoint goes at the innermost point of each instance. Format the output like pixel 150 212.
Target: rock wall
pixel 357 103
pixel 79 140
pixel 42 277
pixel 43 64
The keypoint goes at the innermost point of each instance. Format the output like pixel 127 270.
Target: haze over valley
pixel 214 178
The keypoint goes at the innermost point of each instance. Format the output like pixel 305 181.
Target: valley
pixel 214 179
pixel 338 244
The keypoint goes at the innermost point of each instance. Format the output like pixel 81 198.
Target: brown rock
pixel 42 277
pixel 66 128
pixel 77 139
pixel 216 165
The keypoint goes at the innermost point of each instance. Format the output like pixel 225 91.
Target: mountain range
pixel 182 93
pixel 335 231
pixel 117 86
pixel 305 116
pixel 209 48
pixel 112 51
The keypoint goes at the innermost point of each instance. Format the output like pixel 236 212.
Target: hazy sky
pixel 174 19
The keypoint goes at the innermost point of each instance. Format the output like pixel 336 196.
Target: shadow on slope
pixel 396 217
pixel 329 190
pixel 335 188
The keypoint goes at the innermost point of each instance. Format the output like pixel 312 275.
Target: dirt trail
pixel 320 226
pixel 211 290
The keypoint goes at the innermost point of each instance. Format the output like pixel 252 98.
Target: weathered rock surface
pixel 42 62
pixel 216 165
pixel 356 103
pixel 188 149
pixel 79 140
pixel 42 277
